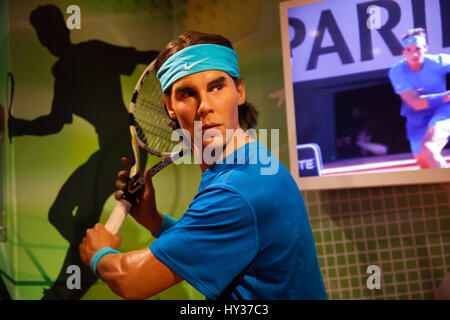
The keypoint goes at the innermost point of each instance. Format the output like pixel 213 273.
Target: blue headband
pixel 418 40
pixel 198 58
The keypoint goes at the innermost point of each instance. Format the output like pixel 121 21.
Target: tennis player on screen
pixel 245 235
pixel 420 80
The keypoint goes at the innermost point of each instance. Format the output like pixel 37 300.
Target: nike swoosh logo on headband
pixel 187 68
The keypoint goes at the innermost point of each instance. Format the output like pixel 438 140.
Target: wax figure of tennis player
pixel 420 80
pixel 245 235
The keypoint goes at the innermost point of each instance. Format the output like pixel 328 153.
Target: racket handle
pixel 118 216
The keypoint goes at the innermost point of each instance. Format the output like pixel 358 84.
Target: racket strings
pixel 152 121
pixel 155 136
pixel 153 124
pixel 158 140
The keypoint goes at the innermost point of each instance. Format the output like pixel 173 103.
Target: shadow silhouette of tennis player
pixel 87 84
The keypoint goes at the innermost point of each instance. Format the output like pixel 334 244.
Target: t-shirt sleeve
pixel 212 243
pixel 445 61
pixel 399 83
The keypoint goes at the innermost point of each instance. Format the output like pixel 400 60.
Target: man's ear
pixel 240 87
pixel 168 104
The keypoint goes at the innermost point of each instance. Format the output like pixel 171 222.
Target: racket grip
pixel 118 216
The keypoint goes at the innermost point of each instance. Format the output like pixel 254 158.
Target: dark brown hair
pixel 248 115
pixel 415 32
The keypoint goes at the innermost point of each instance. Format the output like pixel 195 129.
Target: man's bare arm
pixel 136 274
pixel 421 102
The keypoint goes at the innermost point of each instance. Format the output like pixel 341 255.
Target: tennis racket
pixel 150 131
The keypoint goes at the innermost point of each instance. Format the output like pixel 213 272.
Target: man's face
pixel 211 97
pixel 414 54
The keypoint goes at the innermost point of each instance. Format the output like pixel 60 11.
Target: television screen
pixel 366 91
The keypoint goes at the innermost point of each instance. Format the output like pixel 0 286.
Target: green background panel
pixel 40 165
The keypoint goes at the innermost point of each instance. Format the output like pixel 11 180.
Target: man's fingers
pixel 118 195
pixel 120 185
pixel 123 175
pixel 117 240
pixel 148 179
pixel 126 162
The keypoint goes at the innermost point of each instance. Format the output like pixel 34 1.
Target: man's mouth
pixel 209 126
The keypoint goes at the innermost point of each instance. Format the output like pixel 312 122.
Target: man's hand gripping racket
pixel 150 131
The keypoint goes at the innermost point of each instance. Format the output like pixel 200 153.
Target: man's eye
pixel 219 86
pixel 187 94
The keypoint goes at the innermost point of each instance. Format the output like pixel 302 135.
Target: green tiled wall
pixel 405 230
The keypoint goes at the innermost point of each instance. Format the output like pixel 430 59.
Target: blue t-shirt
pixel 246 235
pixel 430 79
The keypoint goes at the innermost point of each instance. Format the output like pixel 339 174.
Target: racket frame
pixel 136 182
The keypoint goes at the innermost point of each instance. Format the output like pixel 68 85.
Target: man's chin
pixel 213 143
pixel 416 61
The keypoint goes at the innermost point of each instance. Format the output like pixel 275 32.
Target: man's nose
pixel 205 105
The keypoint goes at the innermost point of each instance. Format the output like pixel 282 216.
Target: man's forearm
pixel 436 99
pixel 115 270
pixel 153 222
pixel 425 101
pixel 156 223
pixel 136 274
pixel 167 222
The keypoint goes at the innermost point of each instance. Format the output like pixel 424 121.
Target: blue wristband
pixel 98 255
pixel 167 223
